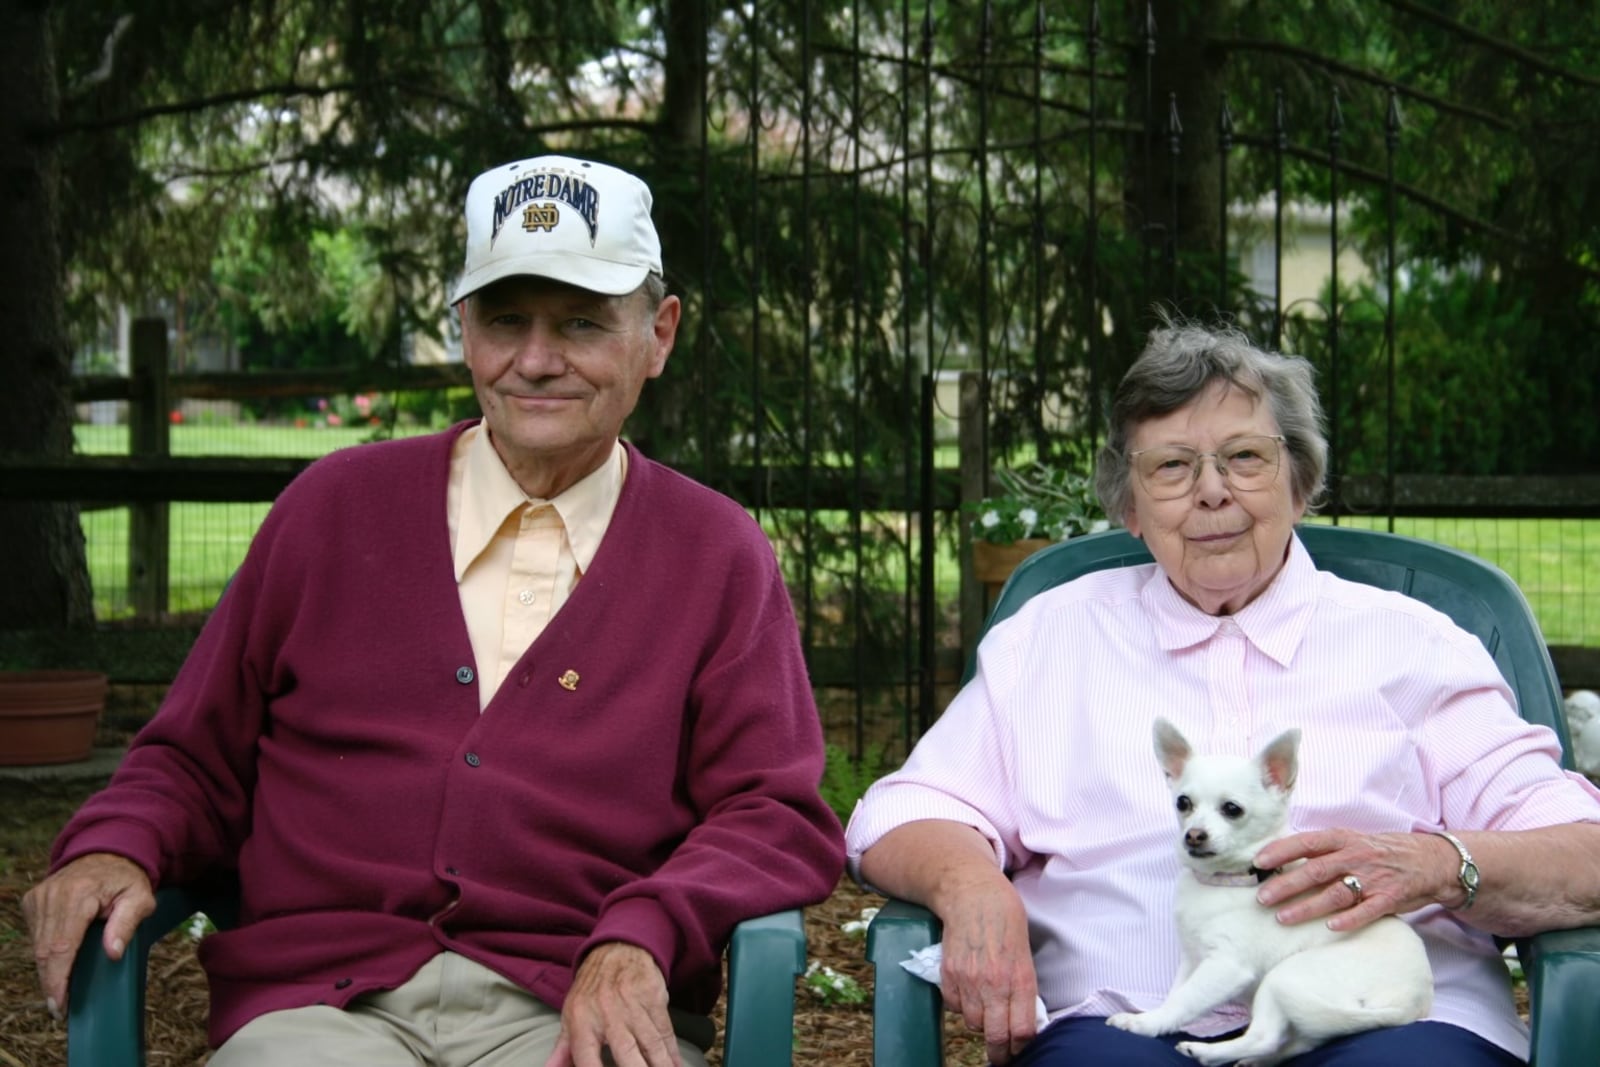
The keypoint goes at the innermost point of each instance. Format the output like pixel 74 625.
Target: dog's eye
pixel 1230 810
pixel 1185 805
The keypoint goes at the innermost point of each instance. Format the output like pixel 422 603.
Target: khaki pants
pixel 454 1012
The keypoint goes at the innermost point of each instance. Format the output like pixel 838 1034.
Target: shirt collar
pixel 489 494
pixel 586 508
pixel 1274 622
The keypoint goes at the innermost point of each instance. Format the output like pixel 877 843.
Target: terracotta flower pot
pixel 993 564
pixel 49 716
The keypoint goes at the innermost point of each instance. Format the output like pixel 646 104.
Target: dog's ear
pixel 1172 750
pixel 1279 761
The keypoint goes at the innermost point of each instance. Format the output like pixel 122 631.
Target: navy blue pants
pixel 1089 1041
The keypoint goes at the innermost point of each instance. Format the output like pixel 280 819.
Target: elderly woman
pixel 1032 818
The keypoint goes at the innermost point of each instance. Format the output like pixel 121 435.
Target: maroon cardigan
pixel 647 772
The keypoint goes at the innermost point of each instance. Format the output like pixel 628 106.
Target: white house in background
pixel 1307 252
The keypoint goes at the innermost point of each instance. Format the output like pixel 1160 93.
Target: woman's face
pixel 1219 545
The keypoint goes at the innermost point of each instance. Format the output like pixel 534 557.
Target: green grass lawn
pixel 208 540
pixel 251 439
pixel 1556 562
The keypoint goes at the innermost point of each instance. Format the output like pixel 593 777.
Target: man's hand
pixel 59 909
pixel 618 1001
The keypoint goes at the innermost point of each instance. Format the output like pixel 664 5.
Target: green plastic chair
pixel 106 1001
pixel 1563 967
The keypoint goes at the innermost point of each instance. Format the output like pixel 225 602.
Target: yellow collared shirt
pixel 517 558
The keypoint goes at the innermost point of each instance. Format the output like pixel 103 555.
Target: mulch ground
pixel 31 813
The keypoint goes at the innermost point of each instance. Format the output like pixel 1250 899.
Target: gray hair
pixel 654 288
pixel 1180 361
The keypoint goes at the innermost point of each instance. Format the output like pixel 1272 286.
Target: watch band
pixel 1469 869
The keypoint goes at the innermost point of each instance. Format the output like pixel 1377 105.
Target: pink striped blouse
pixel 1407 726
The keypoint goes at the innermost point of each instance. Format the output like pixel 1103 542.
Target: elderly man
pixel 484 802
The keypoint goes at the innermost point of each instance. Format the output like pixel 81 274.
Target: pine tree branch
pixel 1317 59
pixel 1495 44
pixel 281 91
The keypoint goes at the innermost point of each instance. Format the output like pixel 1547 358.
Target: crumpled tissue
pixel 925 964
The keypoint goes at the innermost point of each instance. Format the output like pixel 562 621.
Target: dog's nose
pixel 1195 838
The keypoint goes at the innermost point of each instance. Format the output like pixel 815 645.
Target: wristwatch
pixel 1469 870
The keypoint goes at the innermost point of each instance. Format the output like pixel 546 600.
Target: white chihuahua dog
pixel 1310 984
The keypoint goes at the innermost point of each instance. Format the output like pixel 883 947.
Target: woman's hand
pixel 987 974
pixel 988 977
pixel 1531 880
pixel 1396 873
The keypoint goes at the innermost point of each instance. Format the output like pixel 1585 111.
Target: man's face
pixel 557 369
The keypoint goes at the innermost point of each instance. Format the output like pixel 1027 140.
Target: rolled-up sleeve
pixel 962 770
pixel 1491 769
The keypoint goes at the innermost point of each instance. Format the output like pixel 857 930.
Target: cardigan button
pixel 464 675
pixel 343 983
pixel 472 759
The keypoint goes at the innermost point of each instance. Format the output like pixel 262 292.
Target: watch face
pixel 1469 875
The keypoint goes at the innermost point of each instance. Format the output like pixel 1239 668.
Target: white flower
pixel 857 927
pixel 990 519
pixel 833 987
pixel 1029 517
pixel 1099 524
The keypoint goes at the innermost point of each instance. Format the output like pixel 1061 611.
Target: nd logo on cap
pixel 540 217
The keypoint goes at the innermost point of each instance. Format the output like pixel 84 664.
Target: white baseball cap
pixel 579 222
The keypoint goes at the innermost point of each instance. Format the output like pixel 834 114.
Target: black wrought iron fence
pixel 880 200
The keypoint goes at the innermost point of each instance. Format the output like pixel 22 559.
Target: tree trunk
pixel 1179 192
pixel 44 577
pixel 683 113
pixel 667 425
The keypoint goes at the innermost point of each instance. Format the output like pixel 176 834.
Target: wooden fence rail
pixel 150 478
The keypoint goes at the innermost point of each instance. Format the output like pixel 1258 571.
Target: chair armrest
pixel 907 1012
pixel 105 1000
pixel 765 956
pixel 1563 969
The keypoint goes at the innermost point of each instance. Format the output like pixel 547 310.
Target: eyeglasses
pixel 1248 464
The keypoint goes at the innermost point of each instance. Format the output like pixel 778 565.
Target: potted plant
pixel 1040 504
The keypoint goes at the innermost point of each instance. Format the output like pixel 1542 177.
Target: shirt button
pixel 472 759
pixel 343 983
pixel 526 596
pixel 451 871
pixel 464 675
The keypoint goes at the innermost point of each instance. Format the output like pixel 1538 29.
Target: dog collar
pixel 1236 879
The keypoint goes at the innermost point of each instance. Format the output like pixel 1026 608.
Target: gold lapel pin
pixel 569 680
